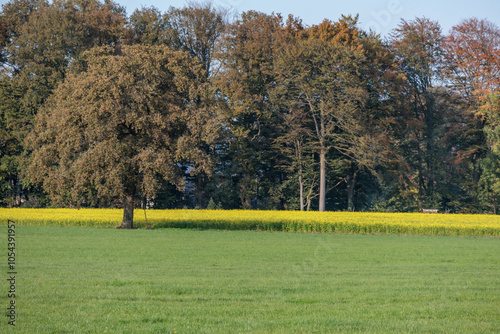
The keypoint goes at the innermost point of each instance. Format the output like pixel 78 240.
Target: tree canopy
pixel 192 108
pixel 110 131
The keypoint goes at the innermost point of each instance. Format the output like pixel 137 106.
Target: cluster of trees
pixel 188 108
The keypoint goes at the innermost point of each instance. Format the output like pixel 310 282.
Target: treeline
pixel 188 108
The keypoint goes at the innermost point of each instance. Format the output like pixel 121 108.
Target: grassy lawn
pixel 86 280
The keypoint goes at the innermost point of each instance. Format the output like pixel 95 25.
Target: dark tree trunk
pixel 420 179
pixel 301 191
pixel 322 179
pixel 298 150
pixel 475 178
pixel 494 204
pixel 351 183
pixel 200 190
pixel 128 212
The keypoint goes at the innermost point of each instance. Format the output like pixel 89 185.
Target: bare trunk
pixel 301 190
pixel 200 190
pixel 494 204
pixel 420 180
pixel 322 179
pixel 351 182
pixel 301 181
pixel 475 178
pixel 128 212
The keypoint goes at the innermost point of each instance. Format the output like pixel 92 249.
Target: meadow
pixel 101 280
pixel 202 271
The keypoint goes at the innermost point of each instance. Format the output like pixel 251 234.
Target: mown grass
pixel 86 280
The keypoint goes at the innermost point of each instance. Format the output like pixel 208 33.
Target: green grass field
pixel 88 280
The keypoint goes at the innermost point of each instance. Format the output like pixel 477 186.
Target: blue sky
pixel 379 15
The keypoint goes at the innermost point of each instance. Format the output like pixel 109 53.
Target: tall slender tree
pixel 245 80
pixel 197 29
pixel 323 76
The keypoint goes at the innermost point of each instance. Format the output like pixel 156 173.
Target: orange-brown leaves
pixel 472 51
pixel 343 31
pixel 113 129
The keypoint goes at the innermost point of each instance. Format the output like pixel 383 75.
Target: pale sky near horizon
pixel 380 15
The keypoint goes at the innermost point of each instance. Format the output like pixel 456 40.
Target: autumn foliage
pixel 190 108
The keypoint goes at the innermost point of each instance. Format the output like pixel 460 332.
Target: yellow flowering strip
pixel 63 217
pixel 329 222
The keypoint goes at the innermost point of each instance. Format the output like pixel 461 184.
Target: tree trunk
pixel 301 191
pixel 322 179
pixel 475 179
pixel 128 212
pixel 301 181
pixel 200 190
pixel 420 179
pixel 494 204
pixel 351 182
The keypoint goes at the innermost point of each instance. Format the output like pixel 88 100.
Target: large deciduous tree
pixel 472 53
pixel 39 40
pixel 323 76
pixel 53 35
pixel 10 147
pixel 418 47
pixel 294 148
pixel 490 178
pixel 44 39
pixel 111 131
pixel 196 29
pixel 245 80
pixel 343 79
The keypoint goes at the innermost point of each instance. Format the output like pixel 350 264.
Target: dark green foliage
pixel 196 29
pixel 146 26
pixel 323 117
pixel 10 142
